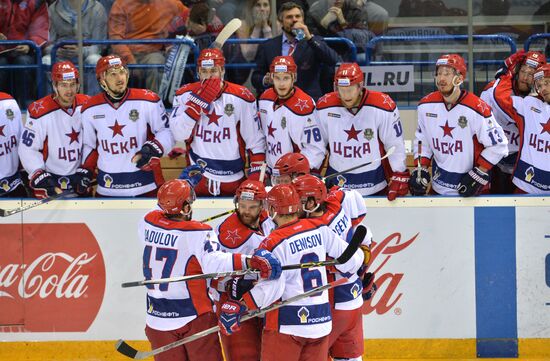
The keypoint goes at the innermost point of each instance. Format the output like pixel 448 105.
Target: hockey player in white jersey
pixel 11 184
pixel 242 232
pixel 288 117
pixel 341 210
pixel 532 116
pixel 51 143
pixel 219 123
pixel 520 66
pixel 459 136
pixel 125 134
pixel 298 331
pixel 359 125
pixel 173 246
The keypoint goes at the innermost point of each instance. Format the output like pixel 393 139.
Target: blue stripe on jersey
pixel 357 180
pixel 10 183
pixel 304 315
pixel 168 308
pixel 218 166
pixel 348 292
pixel 534 176
pixel 445 178
pixel 125 180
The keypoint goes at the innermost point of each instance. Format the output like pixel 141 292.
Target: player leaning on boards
pixel 11 183
pixel 288 118
pixel 520 66
pixel 360 125
pixel 342 210
pixel 298 331
pixel 51 144
pixel 175 245
pixel 532 116
pixel 460 137
pixel 125 134
pixel 242 232
pixel 219 122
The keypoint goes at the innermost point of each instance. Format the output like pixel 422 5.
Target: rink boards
pixel 457 277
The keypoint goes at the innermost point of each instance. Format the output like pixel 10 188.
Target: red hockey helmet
pixel 534 59
pixel 284 199
pixel 251 190
pixel 107 62
pixel 542 71
pixel 64 70
pixel 348 74
pixel 209 58
pixel 174 194
pixel 287 165
pixel 309 185
pixel 283 64
pixel 454 61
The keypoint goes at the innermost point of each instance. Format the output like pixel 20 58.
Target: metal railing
pixel 38 66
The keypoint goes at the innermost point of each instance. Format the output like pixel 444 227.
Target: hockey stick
pixel 226 32
pixel 418 166
pixel 9 212
pixel 127 350
pixel 356 240
pixel 388 153
pixel 217 216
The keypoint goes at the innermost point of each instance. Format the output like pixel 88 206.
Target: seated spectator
pixel 143 19
pixel 256 25
pixel 21 22
pixel 63 14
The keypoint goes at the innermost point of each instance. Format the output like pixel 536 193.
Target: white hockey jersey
pixel 219 141
pixel 345 210
pixel 532 116
pixel 113 135
pixel 52 139
pixel 180 248
pixel 305 240
pixel 457 139
pixel 360 138
pixel 291 126
pixel 10 133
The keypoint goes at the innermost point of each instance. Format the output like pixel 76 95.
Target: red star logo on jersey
pixel 482 106
pixel 148 92
pixel 388 100
pixel 447 129
pixel 2 130
pixel 246 92
pixel 545 127
pixel 213 118
pixel 271 130
pixel 302 104
pixel 233 236
pixel 73 135
pixel 322 99
pixel 117 129
pixel 352 133
pixel 37 106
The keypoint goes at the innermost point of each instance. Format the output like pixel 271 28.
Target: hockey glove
pixel 269 266
pixel 511 64
pixel 420 179
pixel 366 254
pixel 369 287
pixel 237 287
pixel 43 184
pixel 230 317
pixel 472 182
pixel 149 155
pixel 255 171
pixel 200 101
pixel 176 152
pixel 82 180
pixel 192 174
pixel 399 185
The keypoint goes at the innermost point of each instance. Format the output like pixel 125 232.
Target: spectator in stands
pixel 308 53
pixel 144 19
pixel 21 20
pixel 63 14
pixel 256 24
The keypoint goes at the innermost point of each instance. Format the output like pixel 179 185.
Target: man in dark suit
pixel 312 55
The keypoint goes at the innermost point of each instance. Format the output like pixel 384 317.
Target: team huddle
pixel 298 221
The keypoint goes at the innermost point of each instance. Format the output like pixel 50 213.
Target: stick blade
pixel 226 33
pixel 358 237
pixel 125 349
pixel 3 213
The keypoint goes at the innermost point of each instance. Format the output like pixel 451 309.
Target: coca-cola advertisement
pixel 52 277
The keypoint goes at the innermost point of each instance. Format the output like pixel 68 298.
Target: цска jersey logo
pixel 52 277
